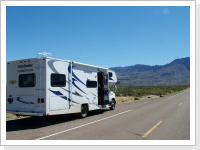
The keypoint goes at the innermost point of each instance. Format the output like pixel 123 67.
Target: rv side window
pixel 110 74
pixel 91 84
pixel 58 80
pixel 27 80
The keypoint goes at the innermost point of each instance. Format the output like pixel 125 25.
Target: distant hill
pixel 176 72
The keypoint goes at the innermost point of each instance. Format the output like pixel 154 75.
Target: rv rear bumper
pixel 26 113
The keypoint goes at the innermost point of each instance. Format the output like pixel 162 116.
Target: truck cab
pixel 105 95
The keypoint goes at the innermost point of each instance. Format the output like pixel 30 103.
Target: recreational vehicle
pixel 44 86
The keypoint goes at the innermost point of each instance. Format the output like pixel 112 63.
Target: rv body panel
pixel 48 86
pixel 24 86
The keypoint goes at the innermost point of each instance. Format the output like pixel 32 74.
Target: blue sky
pixel 106 36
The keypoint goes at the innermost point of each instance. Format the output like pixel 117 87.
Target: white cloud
pixel 166 11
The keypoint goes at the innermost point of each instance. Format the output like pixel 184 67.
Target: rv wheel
pixel 84 111
pixel 112 107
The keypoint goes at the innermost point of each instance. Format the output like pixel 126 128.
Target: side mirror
pixel 115 88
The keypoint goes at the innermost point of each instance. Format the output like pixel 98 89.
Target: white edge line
pixel 83 125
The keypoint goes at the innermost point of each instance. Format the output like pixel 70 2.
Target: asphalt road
pixel 166 118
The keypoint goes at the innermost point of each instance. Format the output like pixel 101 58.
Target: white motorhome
pixel 47 86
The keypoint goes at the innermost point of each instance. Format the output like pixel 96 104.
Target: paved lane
pixel 167 118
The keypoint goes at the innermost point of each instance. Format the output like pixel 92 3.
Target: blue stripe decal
pixel 73 74
pixel 20 100
pixel 76 85
pixel 110 78
pixel 58 93
pixel 75 78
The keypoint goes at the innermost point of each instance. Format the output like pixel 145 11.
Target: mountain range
pixel 176 72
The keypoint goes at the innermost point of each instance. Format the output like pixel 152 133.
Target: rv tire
pixel 84 111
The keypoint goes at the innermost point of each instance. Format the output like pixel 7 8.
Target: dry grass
pixel 10 116
pixel 126 99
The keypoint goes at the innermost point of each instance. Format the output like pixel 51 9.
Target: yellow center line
pixel 180 104
pixel 152 129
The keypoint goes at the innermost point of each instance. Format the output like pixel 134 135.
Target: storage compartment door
pixel 58 103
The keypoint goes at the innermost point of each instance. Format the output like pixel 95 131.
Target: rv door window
pixel 27 80
pixel 58 80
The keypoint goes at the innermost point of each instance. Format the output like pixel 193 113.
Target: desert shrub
pixel 139 91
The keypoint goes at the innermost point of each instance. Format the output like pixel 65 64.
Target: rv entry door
pixel 103 91
pixel 106 89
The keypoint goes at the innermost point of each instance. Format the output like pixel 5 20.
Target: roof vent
pixel 44 54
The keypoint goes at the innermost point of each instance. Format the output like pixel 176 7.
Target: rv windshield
pixel 27 80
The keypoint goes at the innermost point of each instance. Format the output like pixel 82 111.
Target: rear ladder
pixel 39 60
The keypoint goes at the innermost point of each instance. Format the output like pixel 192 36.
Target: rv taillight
pixel 42 100
pixel 10 100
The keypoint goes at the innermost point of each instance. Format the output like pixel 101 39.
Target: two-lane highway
pixel 166 118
